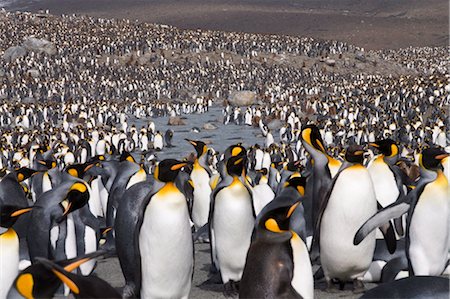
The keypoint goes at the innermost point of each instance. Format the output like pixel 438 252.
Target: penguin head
pixel 126 156
pixel 10 213
pixel 78 170
pixel 431 158
pixel 49 164
pixel 387 147
pixel 236 165
pixel 354 154
pixel 277 221
pixel 296 182
pixel 24 173
pixel 76 198
pixel 200 146
pixel 43 278
pixel 168 169
pixel 311 135
pixel 36 281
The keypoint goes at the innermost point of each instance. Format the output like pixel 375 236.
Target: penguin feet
pixel 129 291
pixel 358 286
pixel 231 289
pixel 331 287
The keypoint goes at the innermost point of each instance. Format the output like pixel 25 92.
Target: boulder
pixel 12 53
pixel 275 124
pixel 209 126
pixel 175 121
pixel 40 45
pixel 330 62
pixel 242 98
pixel 33 73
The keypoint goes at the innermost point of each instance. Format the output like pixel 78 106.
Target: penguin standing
pixel 350 202
pixel 165 239
pixel 262 193
pixel 427 222
pixel 278 264
pixel 9 246
pixel 385 175
pixel 200 176
pixel 231 220
pixel 158 141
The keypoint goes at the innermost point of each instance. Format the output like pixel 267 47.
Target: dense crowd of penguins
pixel 356 158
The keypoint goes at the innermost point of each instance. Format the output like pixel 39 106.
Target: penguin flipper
pixel 382 217
pixel 388 233
pixel 393 267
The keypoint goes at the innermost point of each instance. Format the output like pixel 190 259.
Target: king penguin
pixel 231 220
pixel 165 239
pixel 427 222
pixel 350 202
pixel 9 246
pixel 200 177
pixel 278 264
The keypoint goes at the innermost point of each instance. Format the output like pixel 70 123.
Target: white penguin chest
pixel 166 246
pixel 384 182
pixel 233 226
pixel 430 228
pixel 302 279
pixel 9 260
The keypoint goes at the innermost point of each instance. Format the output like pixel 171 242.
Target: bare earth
pixel 366 23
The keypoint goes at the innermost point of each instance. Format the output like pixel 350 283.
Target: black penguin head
pixel 293 166
pixel 24 173
pixel 311 135
pixel 236 165
pixel 76 198
pixel 78 170
pixel 278 220
pixel 387 147
pixel 354 154
pixel 200 146
pixel 168 169
pixel 49 164
pixel 36 281
pixel 9 214
pixel 234 151
pixel 43 278
pixel 126 156
pixel 263 171
pixel 298 183
pixel 431 158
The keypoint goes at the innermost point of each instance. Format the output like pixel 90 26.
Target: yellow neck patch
pixel 25 284
pixel 168 189
pixel 9 234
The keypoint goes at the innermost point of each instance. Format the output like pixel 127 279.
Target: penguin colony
pixel 345 161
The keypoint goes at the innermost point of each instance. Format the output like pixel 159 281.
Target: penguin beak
pixel 442 156
pixel 191 142
pixel 67 281
pixel 67 205
pixel 20 212
pixel 238 161
pixel 374 144
pixel 292 209
pixel 359 153
pixel 178 166
pixel 88 167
